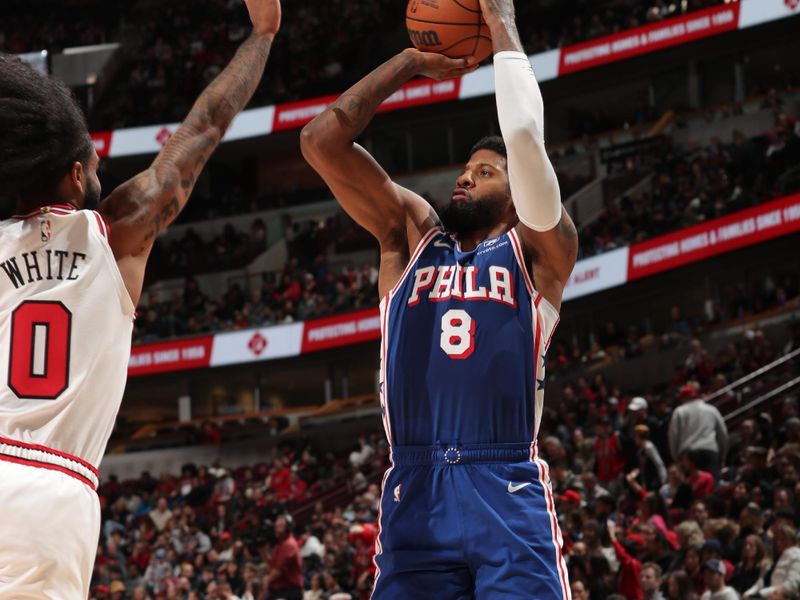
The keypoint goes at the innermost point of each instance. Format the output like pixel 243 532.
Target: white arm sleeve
pixel 520 109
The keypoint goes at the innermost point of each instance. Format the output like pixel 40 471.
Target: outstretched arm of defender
pixel 143 206
pixel 393 214
pixel 546 230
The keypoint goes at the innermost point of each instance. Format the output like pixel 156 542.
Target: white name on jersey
pixel 454 281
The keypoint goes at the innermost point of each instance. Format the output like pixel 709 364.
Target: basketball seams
pixel 466 8
pixel 461 41
pixel 438 22
pixel 454 28
pixel 478 33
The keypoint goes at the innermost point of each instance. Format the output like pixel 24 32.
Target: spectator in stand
pixel 285 574
pixel 784 579
pixel 161 514
pixel 362 537
pixel 362 453
pixel 630 569
pixel 651 466
pixel 697 425
pixel 702 482
pixel 209 434
pixel 609 458
pixel 650 579
pixel 679 587
pixel 635 414
pixel 753 566
pixel 714 575
pixel 579 589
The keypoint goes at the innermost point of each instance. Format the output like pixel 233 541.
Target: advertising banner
pixel 547 66
pixel 342 330
pixel 251 345
pixel 597 273
pixel 174 355
pixel 744 228
pixel 650 38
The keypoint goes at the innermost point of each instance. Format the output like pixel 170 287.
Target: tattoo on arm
pixel 153 199
pixel 160 220
pixel 215 109
pixel 355 108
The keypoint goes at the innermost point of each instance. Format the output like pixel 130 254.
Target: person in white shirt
pixel 160 514
pixel 714 576
pixel 784 581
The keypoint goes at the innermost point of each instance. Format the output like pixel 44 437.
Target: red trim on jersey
pixel 555 531
pixel 100 225
pixel 106 226
pixel 44 465
pixel 80 461
pixel 378 545
pixel 517 246
pixel 56 209
pixel 423 243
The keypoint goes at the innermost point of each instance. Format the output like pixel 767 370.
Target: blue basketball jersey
pixel 464 336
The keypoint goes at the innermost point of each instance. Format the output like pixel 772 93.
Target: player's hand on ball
pixel 438 66
pixel 265 16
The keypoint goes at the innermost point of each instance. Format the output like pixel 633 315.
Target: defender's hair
pixel 43 130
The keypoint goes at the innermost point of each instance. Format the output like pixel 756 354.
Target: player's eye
pixel 485 172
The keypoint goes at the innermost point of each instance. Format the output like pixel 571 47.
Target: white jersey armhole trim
pixel 122 290
pixel 423 243
pixel 516 244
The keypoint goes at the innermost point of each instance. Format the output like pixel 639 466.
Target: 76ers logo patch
pixel 792 4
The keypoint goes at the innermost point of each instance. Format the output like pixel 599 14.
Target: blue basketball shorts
pixel 468 522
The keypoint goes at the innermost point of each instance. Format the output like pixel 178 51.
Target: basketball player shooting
pixel 469 304
pixel 70 278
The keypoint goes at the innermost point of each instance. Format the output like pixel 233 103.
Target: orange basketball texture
pixel 454 28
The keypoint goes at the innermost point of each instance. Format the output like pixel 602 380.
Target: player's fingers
pixel 460 72
pixel 466 62
pixel 455 64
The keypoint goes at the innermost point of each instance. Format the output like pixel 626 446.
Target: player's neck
pixel 35 202
pixel 470 241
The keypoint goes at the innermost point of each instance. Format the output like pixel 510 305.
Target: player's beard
pixel 469 216
pixel 92 197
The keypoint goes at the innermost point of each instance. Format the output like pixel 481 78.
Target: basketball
pixel 454 28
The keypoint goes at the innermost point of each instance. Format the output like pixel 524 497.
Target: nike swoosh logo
pixel 441 244
pixel 515 488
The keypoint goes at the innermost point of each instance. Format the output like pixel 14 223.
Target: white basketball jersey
pixel 65 331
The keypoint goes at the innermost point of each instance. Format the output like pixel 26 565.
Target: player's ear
pixel 76 180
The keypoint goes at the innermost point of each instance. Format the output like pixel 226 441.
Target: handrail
pixel 339 487
pixel 761 399
pixel 757 373
pixel 659 126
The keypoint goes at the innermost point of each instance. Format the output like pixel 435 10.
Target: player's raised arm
pixel 393 214
pixel 143 206
pixel 547 231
